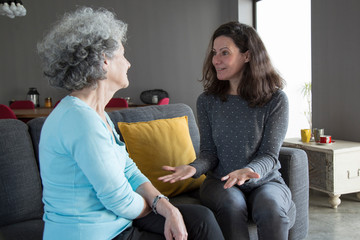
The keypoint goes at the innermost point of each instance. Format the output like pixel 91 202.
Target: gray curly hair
pixel 72 53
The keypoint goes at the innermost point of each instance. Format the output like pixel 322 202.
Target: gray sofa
pixel 21 207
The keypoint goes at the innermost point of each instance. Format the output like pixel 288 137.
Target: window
pixel 285 28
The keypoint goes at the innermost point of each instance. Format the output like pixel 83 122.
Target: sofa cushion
pixel 144 114
pixel 27 230
pixel 20 187
pixel 156 143
pixel 35 126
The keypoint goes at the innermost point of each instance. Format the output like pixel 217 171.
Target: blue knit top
pixel 89 180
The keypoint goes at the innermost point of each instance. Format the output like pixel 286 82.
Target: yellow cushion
pixel 161 142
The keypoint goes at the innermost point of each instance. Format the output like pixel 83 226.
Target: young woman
pixel 243 119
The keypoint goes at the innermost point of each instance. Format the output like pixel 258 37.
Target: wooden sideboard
pixel 32 113
pixel 333 168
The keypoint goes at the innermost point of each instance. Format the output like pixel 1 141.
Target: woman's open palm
pixel 179 173
pixel 239 177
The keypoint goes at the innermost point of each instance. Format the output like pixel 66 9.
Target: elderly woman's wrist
pixel 166 209
pixel 157 202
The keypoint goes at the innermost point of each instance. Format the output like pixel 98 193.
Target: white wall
pixel 166 45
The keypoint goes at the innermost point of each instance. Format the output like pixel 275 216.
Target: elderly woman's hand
pixel 174 223
pixel 179 173
pixel 239 177
pixel 175 227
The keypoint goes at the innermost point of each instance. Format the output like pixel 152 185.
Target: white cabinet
pixel 333 168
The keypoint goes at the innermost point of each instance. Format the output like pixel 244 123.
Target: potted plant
pixel 306 92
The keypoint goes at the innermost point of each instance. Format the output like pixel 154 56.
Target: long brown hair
pixel 259 81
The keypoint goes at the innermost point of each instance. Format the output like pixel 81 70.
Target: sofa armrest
pixel 294 170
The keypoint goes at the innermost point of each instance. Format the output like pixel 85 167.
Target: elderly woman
pixel 92 189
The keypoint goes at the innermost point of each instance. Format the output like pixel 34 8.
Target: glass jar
pixel 33 95
pixel 48 102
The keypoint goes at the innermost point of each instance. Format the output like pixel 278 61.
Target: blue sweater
pixel 88 178
pixel 234 136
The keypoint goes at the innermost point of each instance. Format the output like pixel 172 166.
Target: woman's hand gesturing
pixel 239 177
pixel 179 173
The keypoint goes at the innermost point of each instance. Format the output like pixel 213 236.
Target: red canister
pixel 325 139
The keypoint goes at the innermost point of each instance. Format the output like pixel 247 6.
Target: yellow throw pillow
pixel 161 142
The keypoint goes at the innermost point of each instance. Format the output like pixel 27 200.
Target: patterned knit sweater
pixel 234 136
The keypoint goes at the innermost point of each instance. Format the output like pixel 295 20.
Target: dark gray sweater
pixel 234 136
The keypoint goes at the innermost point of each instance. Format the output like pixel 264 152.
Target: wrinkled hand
pixel 239 177
pixel 175 227
pixel 179 173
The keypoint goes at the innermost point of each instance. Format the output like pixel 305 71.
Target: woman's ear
pixel 105 62
pixel 247 56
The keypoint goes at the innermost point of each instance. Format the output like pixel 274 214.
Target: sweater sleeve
pixel 94 150
pixel 207 159
pixel 266 158
pixel 132 172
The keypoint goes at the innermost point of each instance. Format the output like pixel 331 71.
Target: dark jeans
pixel 199 220
pixel 267 205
